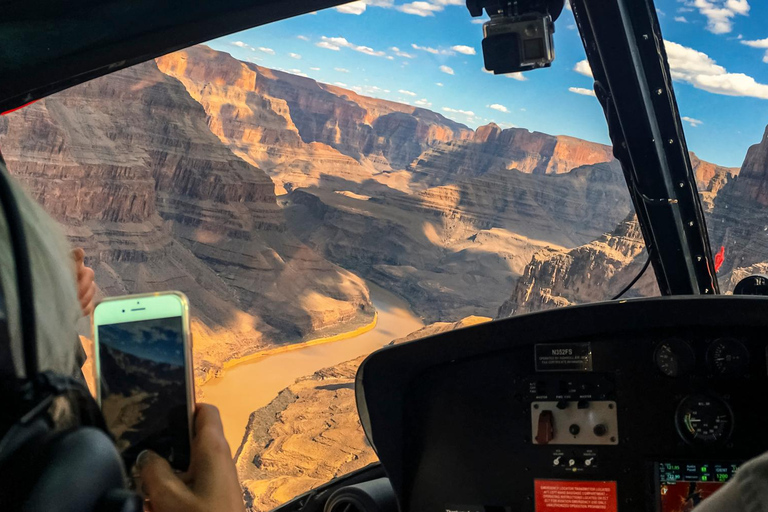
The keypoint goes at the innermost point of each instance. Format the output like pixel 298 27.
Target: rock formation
pixel 302 132
pixel 310 433
pixel 738 220
pixel 590 273
pixel 129 166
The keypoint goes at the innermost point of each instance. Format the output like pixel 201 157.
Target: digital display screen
pixel 684 485
pixel 144 389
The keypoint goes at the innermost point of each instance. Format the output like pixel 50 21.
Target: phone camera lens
pixel 123 311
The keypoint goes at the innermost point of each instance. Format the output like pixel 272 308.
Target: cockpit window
pixel 326 185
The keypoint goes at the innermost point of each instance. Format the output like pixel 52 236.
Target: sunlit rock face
pixel 310 433
pixel 590 273
pixel 128 165
pixel 302 132
pixel 738 221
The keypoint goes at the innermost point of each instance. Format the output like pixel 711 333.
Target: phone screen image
pixel 143 388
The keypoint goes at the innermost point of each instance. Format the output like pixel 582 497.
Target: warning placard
pixel 575 496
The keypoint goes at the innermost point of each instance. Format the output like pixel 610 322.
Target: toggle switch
pixel 546 428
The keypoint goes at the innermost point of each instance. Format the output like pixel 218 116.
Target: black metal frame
pixel 626 51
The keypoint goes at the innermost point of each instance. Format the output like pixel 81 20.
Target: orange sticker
pixel 575 496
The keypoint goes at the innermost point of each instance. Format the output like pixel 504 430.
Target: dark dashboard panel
pixel 617 406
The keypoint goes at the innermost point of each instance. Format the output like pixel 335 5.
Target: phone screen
pixel 143 388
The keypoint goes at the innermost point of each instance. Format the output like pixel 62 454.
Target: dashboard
pixel 644 405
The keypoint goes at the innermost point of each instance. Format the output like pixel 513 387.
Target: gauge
pixel 704 419
pixel 674 358
pixel 728 356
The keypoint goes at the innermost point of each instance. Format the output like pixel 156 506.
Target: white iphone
pixel 144 370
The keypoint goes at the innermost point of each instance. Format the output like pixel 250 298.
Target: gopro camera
pixel 519 35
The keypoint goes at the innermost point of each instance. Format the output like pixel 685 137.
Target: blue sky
pixel 427 53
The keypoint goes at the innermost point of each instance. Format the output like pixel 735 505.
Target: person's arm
pixel 746 492
pixel 209 484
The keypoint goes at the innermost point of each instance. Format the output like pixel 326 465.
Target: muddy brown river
pixel 253 384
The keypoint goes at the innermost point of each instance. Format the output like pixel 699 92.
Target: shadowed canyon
pixel 273 201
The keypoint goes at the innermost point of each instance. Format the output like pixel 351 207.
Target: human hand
pixel 86 283
pixel 210 483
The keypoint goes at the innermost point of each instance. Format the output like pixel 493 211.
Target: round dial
pixel 728 356
pixel 674 358
pixel 704 419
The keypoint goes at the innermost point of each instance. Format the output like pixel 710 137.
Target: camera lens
pixel 123 311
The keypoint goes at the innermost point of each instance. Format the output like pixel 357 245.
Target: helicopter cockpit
pixel 645 404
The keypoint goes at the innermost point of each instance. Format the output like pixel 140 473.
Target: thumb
pixel 78 255
pixel 160 484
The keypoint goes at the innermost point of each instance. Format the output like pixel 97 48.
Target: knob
pixel 583 404
pixel 600 430
pixel 562 404
pixel 571 462
pixel 556 462
pixel 588 462
pixel 574 429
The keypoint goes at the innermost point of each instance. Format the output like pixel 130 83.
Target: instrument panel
pixel 645 405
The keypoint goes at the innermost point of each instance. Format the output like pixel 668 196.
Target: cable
pixel 23 273
pixel 635 280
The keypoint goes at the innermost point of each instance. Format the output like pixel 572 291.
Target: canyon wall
pixel 738 220
pixel 128 165
pixel 302 132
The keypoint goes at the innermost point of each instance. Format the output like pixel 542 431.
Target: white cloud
pixel 701 71
pixel 423 102
pixel 582 91
pixel 340 84
pixel 485 70
pixel 401 53
pixel 315 69
pixel 297 72
pixel 328 46
pixel 500 108
pixel 720 13
pixel 466 50
pixel 681 19
pixel 446 69
pixel 241 44
pixel 422 9
pixel 294 56
pixel 759 43
pixel 693 122
pixel 582 67
pixel 439 84
pixel 433 51
pixel 341 70
pixel 266 50
pixel 336 43
pixel 409 93
pixel 467 113
pixel 303 38
pixel 479 21
pixel 568 5
pixel 517 76
pixel 352 8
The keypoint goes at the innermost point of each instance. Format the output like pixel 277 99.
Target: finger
pixel 85 279
pixel 78 255
pixel 87 298
pixel 163 488
pixel 87 310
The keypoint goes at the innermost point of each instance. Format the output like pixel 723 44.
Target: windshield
pixel 326 185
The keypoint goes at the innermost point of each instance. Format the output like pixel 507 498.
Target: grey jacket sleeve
pixel 747 491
